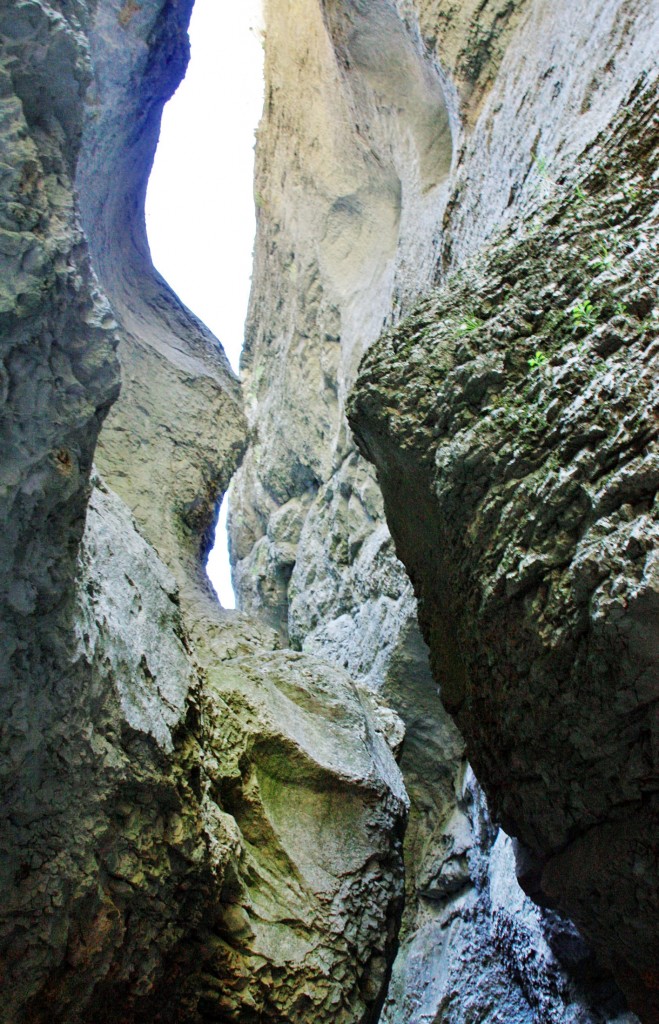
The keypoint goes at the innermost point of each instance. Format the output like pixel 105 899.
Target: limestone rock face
pixel 59 371
pixel 59 375
pixel 154 450
pixel 195 826
pixel 371 186
pixel 517 409
pixel 269 815
pixel 307 931
pixel 189 859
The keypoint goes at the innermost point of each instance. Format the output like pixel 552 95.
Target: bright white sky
pixel 199 204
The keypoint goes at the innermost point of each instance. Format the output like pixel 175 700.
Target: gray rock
pixel 343 246
pixel 532 546
pixel 144 876
pixel 197 824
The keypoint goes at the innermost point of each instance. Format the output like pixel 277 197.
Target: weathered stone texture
pixel 59 374
pixel 518 407
pixel 357 212
pixel 162 765
pixel 175 854
pixel 307 932
pixel 197 824
pixel 58 371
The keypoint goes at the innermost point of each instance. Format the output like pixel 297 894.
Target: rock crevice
pixel 164 765
pixel 200 823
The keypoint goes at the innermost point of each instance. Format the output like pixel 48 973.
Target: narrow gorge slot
pixel 200 206
pixel 292 815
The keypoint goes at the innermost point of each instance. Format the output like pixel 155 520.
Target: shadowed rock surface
pixel 195 826
pixel 517 408
pixel 525 90
pixel 200 823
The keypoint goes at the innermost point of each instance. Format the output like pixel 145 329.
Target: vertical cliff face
pixel 398 142
pixel 203 811
pixel 528 466
pixel 195 825
pixel 175 375
pixel 533 541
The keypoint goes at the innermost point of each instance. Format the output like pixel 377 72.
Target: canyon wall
pixel 196 824
pixel 271 815
pixel 400 142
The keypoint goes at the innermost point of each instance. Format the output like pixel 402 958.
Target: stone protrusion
pixel 517 408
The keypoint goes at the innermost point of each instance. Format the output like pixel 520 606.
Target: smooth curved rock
pixel 154 450
pixel 163 767
pixel 196 824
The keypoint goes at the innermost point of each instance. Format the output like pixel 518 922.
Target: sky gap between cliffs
pixel 200 206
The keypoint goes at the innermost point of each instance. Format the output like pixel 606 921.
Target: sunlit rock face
pixel 269 816
pixel 516 408
pixel 525 430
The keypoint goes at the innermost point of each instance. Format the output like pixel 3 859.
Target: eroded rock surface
pixel 519 92
pixel 518 409
pixel 198 824
pixel 195 826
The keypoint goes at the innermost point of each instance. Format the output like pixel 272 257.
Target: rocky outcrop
pixel 196 825
pixel 517 408
pixel 199 822
pixel 360 209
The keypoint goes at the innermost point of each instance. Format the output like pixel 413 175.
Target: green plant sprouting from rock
pixel 537 360
pixel 470 325
pixel 584 315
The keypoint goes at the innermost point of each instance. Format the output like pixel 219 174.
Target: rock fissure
pixel 457 222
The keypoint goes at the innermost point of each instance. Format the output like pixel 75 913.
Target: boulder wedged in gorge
pixel 198 840
pixel 512 417
pixel 398 141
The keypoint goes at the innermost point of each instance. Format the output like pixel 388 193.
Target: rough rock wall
pixel 198 825
pixel 525 427
pixel 398 140
pixel 195 825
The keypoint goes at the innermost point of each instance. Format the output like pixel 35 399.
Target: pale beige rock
pixel 523 101
pixel 201 825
